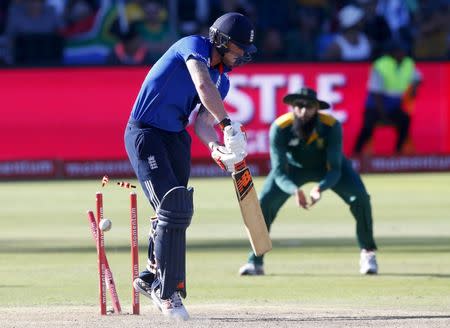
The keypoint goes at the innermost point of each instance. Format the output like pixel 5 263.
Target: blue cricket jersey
pixel 168 95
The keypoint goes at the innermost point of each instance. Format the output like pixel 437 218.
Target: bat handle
pixel 240 165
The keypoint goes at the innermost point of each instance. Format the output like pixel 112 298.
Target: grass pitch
pixel 47 255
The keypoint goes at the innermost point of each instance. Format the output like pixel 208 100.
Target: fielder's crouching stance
pixel 191 72
pixel 306 146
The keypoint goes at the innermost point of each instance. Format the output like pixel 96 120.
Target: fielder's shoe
pixel 143 287
pixel 172 307
pixel 251 269
pixel 368 262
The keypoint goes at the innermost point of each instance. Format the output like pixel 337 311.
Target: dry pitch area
pixel 223 315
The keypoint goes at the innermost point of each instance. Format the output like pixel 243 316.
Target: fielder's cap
pixel 239 29
pixel 350 16
pixel 304 94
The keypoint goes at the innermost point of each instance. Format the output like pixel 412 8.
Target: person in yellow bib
pixel 306 146
pixel 393 78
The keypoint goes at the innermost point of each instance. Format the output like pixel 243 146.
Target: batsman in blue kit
pixel 192 72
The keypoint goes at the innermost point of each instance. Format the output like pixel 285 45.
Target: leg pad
pixel 174 217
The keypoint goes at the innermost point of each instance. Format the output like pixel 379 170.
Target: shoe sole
pixel 251 273
pixel 369 272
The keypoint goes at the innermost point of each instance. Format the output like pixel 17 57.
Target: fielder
pixel 306 146
pixel 193 71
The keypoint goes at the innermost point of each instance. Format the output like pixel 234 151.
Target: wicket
pixel 110 284
pixel 134 250
pixel 106 279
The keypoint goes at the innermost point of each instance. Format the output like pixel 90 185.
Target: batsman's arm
pixel 204 126
pixel 207 91
pixel 211 99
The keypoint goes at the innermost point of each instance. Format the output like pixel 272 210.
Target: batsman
pixel 306 146
pixel 192 73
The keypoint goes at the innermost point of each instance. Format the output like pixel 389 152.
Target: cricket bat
pixel 251 210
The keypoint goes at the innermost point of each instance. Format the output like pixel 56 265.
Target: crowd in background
pixel 79 32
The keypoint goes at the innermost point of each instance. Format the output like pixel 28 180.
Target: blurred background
pixel 71 69
pixel 74 32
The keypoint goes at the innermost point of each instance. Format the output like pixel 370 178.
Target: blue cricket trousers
pixel 160 159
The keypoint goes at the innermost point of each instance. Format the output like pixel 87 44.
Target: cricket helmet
pixel 236 28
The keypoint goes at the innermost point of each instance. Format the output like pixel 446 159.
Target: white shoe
pixel 251 269
pixel 368 262
pixel 143 287
pixel 172 307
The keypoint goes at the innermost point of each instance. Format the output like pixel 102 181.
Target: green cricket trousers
pixel 349 187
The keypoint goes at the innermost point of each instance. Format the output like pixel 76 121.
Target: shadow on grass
pixel 425 275
pixel 330 318
pixel 14 286
pixel 346 275
pixel 431 244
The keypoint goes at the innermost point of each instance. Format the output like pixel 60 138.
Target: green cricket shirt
pixel 322 152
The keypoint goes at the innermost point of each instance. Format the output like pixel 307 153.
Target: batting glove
pixel 235 139
pixel 227 161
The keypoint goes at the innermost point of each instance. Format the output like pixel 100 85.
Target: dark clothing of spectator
pixel 272 46
pixel 378 32
pixel 79 17
pixel 193 15
pixel 25 20
pixel 32 32
pixel 131 50
pixel 4 5
pixel 433 31
pixel 120 56
pixel 302 39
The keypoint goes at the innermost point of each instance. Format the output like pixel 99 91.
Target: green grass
pixel 47 256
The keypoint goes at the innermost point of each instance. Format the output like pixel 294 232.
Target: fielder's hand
pixel 235 139
pixel 301 199
pixel 315 195
pixel 226 160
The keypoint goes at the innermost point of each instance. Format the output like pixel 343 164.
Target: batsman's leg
pixel 145 280
pixel 148 154
pixel 174 217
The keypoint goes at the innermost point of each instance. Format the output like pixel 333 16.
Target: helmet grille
pixel 218 39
